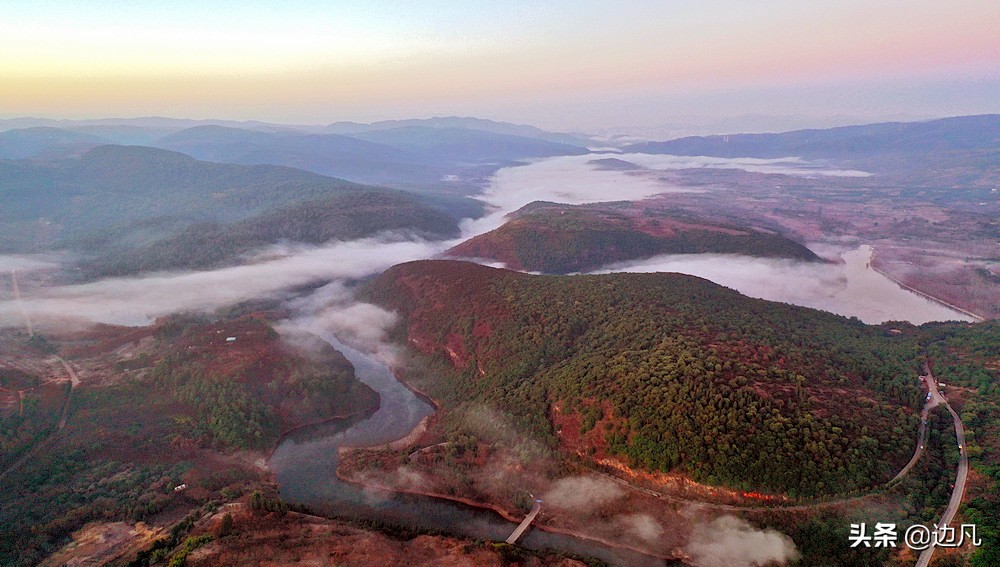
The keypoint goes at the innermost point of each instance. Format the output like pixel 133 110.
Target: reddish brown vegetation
pixel 299 539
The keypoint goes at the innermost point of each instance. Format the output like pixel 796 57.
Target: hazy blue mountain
pixel 151 122
pixel 461 145
pixel 965 133
pixel 128 186
pixel 407 157
pixel 125 134
pixel 326 154
pixel 344 215
pixel 466 123
pixel 45 142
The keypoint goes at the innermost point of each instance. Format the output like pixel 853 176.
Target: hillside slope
pixel 325 154
pixel 43 142
pixel 343 216
pixel 562 239
pixel 112 184
pixel 666 371
pixel 157 407
pixel 116 199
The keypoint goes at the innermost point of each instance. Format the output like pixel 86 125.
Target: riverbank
pixel 506 515
pixel 873 264
pixel 307 474
pixel 369 411
pixel 411 440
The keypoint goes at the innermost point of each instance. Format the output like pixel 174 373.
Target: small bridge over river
pixel 526 522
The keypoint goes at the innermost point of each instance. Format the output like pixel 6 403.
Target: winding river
pixel 305 464
pixel 305 461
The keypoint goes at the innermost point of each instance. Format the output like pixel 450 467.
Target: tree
pixel 225 526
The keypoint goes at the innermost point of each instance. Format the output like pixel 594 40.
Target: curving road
pixel 74 381
pixel 935 399
pixel 960 479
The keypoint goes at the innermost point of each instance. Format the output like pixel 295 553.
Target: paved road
pixel 74 381
pixel 960 479
pixel 527 522
pixel 935 399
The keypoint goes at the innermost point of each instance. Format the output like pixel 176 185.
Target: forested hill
pixel 343 216
pixel 667 372
pixel 114 184
pixel 963 133
pixel 560 239
pixel 325 154
pixel 135 197
pixel 44 141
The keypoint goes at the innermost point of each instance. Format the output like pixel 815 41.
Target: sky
pixel 578 65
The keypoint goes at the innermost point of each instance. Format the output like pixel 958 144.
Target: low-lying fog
pixel 26 263
pixel 785 166
pixel 574 180
pixel 851 289
pixel 138 300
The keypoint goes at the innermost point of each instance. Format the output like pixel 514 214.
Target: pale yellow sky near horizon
pixel 558 64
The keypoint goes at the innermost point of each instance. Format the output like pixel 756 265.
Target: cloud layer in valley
pixel 26 263
pixel 569 179
pixel 333 309
pixel 849 288
pixel 138 300
pixel 574 180
pixel 784 166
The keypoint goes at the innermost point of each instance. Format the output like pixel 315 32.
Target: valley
pixel 246 336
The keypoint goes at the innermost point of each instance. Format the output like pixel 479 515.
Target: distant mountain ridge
pixel 327 154
pixel 45 142
pixel 408 156
pixel 135 196
pixel 467 123
pixel 963 133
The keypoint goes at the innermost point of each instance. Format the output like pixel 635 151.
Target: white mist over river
pixel 575 180
pixel 850 289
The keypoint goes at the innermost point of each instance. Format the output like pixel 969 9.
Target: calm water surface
pixel 305 464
